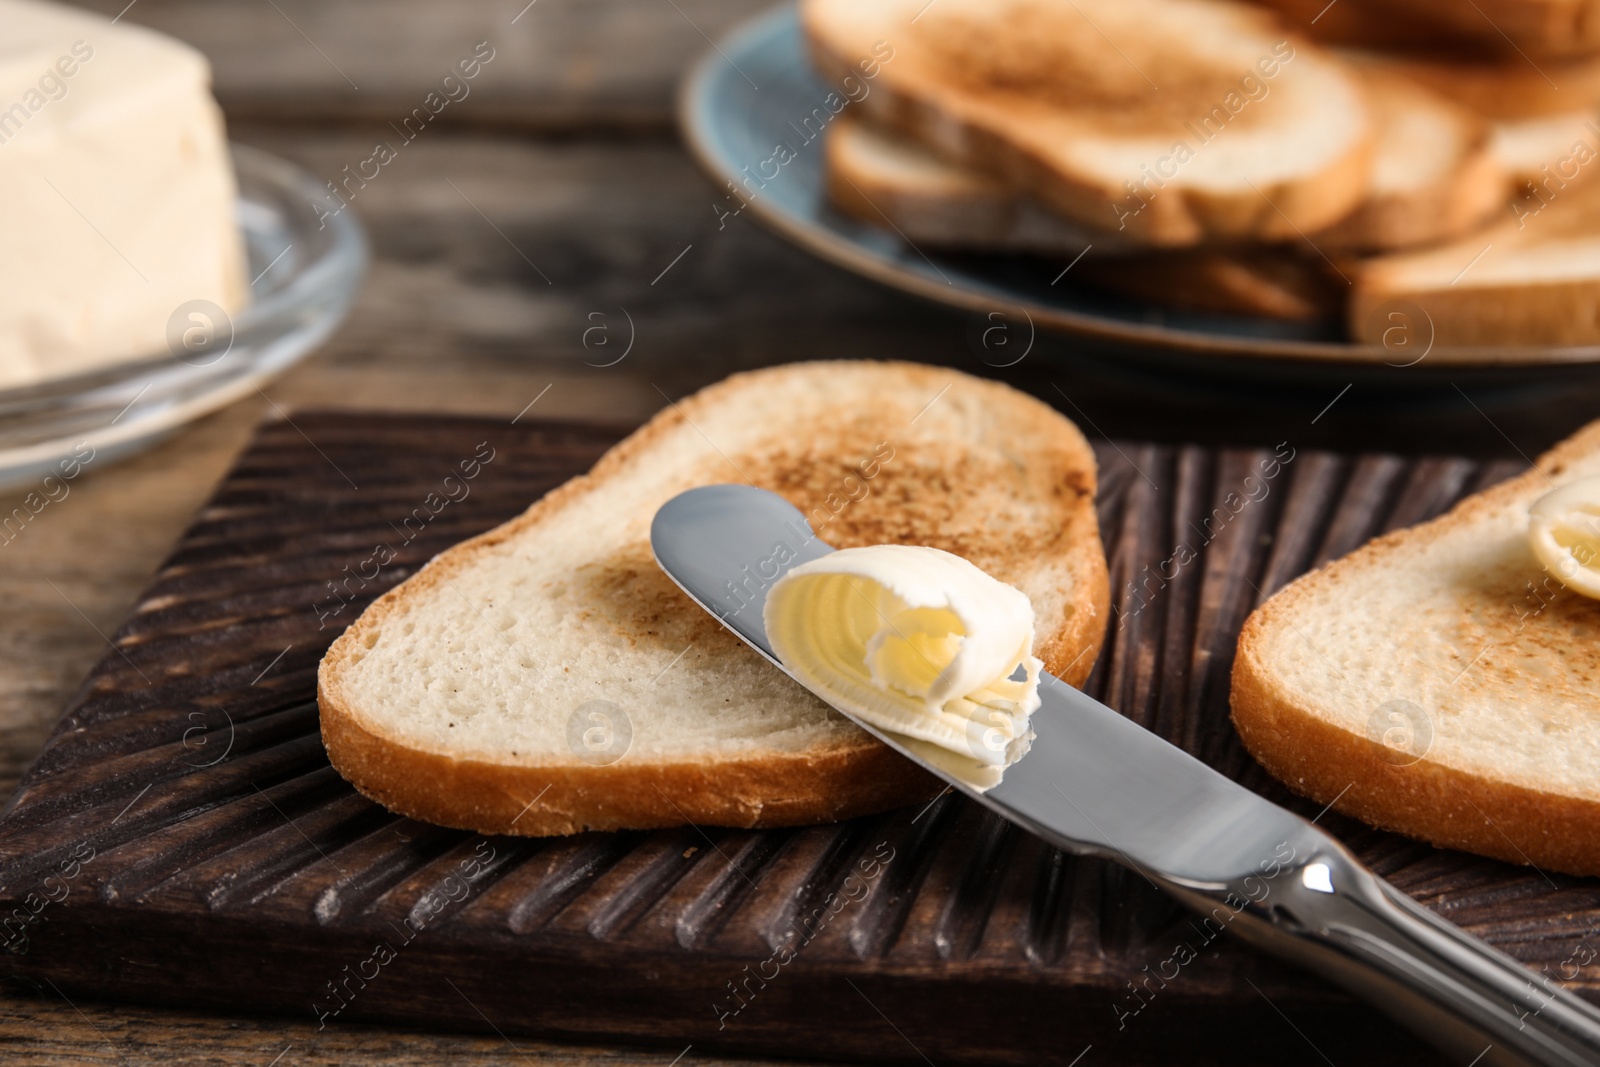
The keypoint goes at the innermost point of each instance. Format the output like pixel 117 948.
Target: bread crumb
pixel 691 850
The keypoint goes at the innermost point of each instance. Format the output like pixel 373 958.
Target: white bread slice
pixel 1433 174
pixel 886 179
pixel 1500 666
pixel 452 697
pixel 1545 151
pixel 1172 121
pixel 1533 279
pixel 882 178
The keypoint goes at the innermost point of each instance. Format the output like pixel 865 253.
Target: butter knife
pixel 1095 783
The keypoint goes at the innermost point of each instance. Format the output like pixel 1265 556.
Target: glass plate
pixel 305 278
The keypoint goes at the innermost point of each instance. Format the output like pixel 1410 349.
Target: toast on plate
pixel 1526 30
pixel 1440 682
pixel 1550 153
pixel 1273 282
pixel 1171 122
pixel 887 180
pixel 1433 177
pixel 1532 279
pixel 1509 87
pixel 1533 28
pixel 1433 174
pixel 546 677
pixel 1348 24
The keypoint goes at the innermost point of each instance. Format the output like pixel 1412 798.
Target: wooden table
pixel 567 196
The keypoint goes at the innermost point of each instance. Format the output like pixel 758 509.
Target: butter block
pixel 117 190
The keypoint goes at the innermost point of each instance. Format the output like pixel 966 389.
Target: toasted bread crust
pixel 1465 298
pixel 857 776
pixel 539 801
pixel 1446 806
pixel 1546 313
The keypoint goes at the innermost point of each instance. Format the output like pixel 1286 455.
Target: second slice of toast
pixel 1440 682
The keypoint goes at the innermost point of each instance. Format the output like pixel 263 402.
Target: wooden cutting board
pixel 183 840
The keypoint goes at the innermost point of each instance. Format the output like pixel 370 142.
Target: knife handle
pixel 1330 914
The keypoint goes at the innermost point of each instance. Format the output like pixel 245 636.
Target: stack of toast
pixel 1288 159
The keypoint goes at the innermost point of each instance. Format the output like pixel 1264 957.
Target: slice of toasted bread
pixel 1274 283
pixel 1550 153
pixel 1477 30
pixel 1357 24
pixel 1439 682
pixel 1509 87
pixel 886 179
pixel 1533 279
pixel 1532 28
pixel 1172 121
pixel 546 677
pixel 1433 174
pixel 1433 177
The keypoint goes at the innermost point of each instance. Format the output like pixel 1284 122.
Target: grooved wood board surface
pixel 183 840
